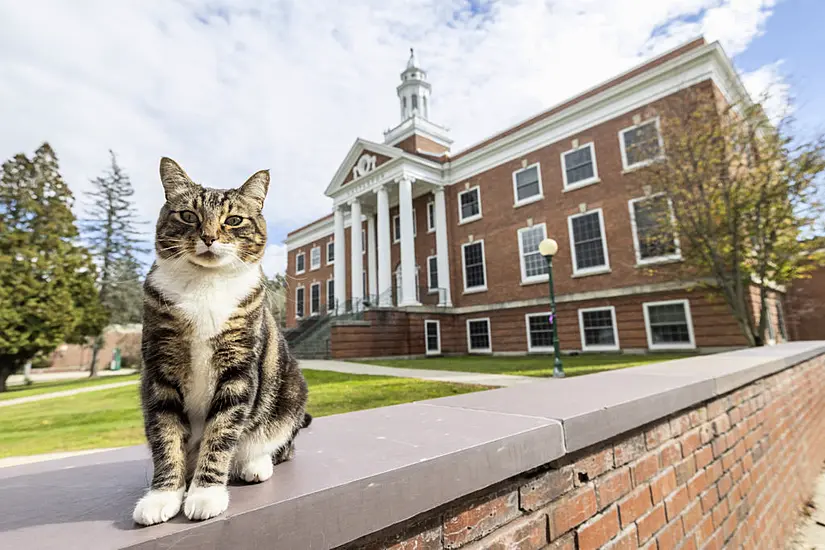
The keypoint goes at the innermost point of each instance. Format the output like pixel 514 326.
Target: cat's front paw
pixel 158 506
pixel 206 502
pixel 257 470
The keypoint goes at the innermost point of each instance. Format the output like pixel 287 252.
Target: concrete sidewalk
pixel 65 393
pixel 498 380
pixel 17 379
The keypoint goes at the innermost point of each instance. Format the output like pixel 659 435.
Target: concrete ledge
pixel 350 323
pixel 362 472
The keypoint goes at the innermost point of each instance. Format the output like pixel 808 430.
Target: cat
pixel 221 394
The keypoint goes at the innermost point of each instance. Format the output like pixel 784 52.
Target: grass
pixel 112 418
pixel 14 392
pixel 574 365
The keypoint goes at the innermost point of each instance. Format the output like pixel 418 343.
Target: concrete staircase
pixel 310 339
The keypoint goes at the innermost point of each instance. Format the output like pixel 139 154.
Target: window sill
pixel 540 350
pixel 671 347
pixel 432 291
pixel 580 184
pixel 330 263
pixel 475 290
pixel 591 273
pixel 480 351
pixel 659 261
pixel 600 348
pixel 469 220
pixel 430 231
pixel 639 165
pixel 315 268
pixel 531 200
pixel 300 272
pixel 537 281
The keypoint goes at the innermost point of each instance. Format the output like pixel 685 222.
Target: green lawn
pixel 574 365
pixel 13 392
pixel 112 418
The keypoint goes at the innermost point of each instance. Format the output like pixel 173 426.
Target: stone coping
pixel 361 472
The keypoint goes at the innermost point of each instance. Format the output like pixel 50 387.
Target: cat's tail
pixel 307 420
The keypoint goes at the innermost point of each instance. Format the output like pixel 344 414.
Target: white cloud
pixel 768 85
pixel 227 88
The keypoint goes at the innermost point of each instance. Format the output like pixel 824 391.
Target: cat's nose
pixel 208 239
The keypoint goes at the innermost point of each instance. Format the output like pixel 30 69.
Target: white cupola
pixel 414 91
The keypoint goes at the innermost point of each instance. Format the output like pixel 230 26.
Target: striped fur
pixel 222 396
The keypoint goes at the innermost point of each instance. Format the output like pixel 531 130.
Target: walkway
pixel 498 380
pixel 65 393
pixel 17 379
pixel 810 532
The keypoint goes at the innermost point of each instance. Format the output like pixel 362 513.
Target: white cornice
pixel 421 126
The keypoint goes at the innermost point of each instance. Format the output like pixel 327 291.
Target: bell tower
pixel 414 91
pixel 416 133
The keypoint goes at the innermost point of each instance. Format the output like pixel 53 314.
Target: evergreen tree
pixel 47 281
pixel 111 230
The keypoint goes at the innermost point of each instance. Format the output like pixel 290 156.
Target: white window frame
pixel 303 313
pixel 438 334
pixel 676 256
pixel 398 216
pixel 430 288
pixel 330 304
pixel 583 183
pixel 525 280
pixel 588 270
pixel 489 336
pixel 363 241
pixel 431 217
pixel 474 289
pixel 630 167
pixel 318 312
pixel 461 219
pixel 688 318
pixel 304 270
pixel 530 347
pixel 586 347
pixel 330 244
pixel 312 266
pixel 534 198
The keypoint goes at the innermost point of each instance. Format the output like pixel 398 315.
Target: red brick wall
pixel 804 314
pixel 730 473
pixel 402 333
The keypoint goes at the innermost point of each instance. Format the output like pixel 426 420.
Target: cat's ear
pixel 175 181
pixel 256 187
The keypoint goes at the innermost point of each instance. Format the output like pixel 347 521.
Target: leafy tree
pixel 744 195
pixel 276 295
pixel 111 231
pixel 47 280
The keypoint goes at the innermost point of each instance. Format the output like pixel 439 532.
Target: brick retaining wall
pixel 732 472
pixel 713 451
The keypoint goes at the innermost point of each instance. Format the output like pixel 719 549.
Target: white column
pixel 384 248
pixel 441 248
pixel 340 261
pixel 357 283
pixel 408 294
pixel 372 280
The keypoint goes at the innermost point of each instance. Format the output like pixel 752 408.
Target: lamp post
pixel 548 249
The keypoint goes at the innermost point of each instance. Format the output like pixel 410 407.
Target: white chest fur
pixel 206 298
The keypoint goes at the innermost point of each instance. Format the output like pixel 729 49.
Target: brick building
pixel 446 256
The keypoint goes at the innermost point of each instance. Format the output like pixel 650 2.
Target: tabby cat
pixel 222 395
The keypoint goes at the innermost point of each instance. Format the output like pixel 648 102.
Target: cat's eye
pixel 234 221
pixel 188 216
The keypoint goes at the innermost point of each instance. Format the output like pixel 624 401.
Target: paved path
pixel 17 379
pixel 65 393
pixel 810 532
pixel 422 374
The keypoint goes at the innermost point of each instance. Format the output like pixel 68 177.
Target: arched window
pixel 414 102
pixel 424 101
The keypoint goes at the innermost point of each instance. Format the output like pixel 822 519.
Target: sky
pixel 227 88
